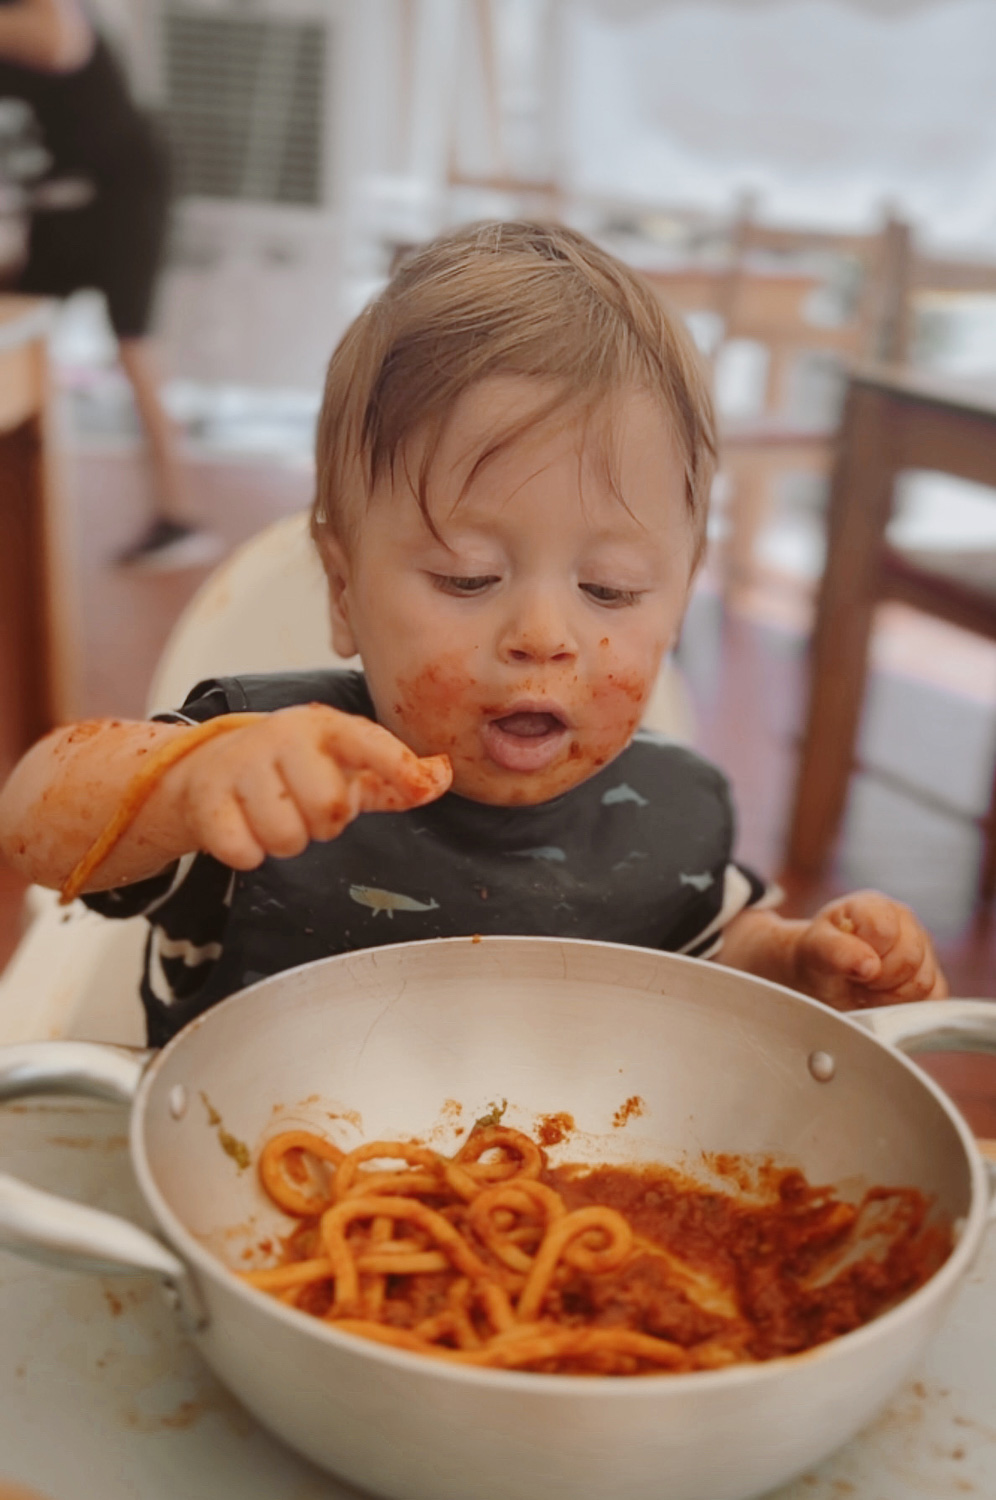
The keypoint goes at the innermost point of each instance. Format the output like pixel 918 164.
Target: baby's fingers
pixel 833 952
pixel 219 827
pixel 907 968
pixel 358 745
pixel 329 797
pixel 870 916
pixel 911 973
pixel 900 941
pixel 321 790
pixel 423 782
pixel 270 809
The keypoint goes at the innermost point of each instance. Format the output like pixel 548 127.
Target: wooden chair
pixel 689 255
pixel 932 275
pixel 772 291
pixel 896 420
pixel 959 587
pixel 896 281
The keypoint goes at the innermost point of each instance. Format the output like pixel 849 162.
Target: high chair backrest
pixel 265 609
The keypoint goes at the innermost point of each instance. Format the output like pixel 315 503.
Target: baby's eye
pixel 614 598
pixel 463 587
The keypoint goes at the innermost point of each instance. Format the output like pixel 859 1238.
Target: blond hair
pixel 499 299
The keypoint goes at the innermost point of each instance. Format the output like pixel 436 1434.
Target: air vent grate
pixel 245 106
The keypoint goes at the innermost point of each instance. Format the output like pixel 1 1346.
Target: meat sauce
pixel 730 1275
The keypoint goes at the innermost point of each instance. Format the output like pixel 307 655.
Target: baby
pixel 514 460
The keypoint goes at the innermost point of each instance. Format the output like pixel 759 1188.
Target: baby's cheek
pixel 619 696
pixel 432 709
pixel 617 702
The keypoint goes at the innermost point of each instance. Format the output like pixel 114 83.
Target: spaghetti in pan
pixel 494 1258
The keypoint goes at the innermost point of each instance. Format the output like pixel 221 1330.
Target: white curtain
pixel 826 108
pixel 621 9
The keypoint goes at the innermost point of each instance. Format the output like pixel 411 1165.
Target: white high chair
pixel 75 974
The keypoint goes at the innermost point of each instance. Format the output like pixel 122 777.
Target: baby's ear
pixel 336 565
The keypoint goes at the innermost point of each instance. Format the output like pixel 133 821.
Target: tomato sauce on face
pixel 441 710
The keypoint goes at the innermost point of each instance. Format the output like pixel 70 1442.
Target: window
pixel 245 106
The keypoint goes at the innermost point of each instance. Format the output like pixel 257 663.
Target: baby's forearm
pixel 765 944
pixel 68 787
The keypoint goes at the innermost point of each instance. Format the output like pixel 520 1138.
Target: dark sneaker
pixel 169 545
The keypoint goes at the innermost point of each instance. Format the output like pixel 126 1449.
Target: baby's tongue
pixel 529 725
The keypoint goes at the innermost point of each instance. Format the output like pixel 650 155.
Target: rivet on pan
pixel 822 1066
pixel 178 1101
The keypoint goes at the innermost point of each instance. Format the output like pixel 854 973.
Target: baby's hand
pixel 297 774
pixel 864 950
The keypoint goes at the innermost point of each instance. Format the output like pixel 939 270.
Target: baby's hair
pixel 499 299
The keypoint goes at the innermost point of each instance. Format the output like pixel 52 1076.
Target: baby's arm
pixel 269 787
pixel 861 950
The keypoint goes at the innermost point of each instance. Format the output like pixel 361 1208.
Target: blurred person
pixel 53 59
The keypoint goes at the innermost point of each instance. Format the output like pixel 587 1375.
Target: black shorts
pixel 115 243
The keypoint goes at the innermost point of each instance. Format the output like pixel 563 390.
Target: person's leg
pixel 133 211
pixel 139 364
pixel 172 539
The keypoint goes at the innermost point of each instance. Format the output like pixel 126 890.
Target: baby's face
pixel 525 644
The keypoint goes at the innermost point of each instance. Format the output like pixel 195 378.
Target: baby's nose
pixel 539 653
pixel 537 634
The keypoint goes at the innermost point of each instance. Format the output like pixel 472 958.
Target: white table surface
pixel 102 1399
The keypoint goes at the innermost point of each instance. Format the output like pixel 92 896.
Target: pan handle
pixel 937 1026
pixel 933 1025
pixel 87 1068
pixel 57 1231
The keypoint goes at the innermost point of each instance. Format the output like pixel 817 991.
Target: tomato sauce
pixel 764 1265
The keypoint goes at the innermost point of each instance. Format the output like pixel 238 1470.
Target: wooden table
pixel 34 631
pixel 894 419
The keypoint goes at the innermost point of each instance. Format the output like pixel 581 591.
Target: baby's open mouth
pixel 526 739
pixel 529 726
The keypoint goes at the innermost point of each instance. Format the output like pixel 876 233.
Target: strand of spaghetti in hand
pixel 281 780
pixel 138 792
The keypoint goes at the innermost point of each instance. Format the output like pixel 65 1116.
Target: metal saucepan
pixel 381 1040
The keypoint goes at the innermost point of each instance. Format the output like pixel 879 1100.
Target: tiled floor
pixel 746 673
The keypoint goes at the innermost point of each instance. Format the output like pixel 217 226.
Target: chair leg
pixel 986 889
